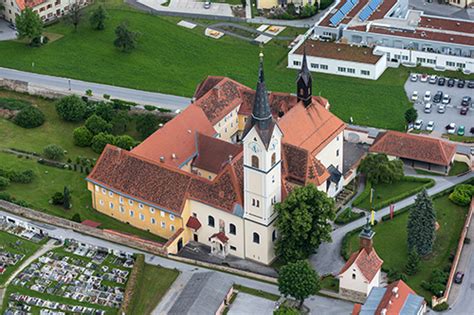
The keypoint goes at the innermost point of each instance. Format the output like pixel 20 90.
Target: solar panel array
pixel 341 13
pixel 368 10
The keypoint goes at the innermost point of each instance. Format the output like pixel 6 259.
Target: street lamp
pixel 69 83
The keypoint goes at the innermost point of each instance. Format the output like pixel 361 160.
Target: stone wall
pixel 352 295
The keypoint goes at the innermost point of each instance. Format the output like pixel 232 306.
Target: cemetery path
pixel 40 252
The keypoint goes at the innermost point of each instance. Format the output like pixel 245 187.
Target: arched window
pixel 353 276
pixel 256 238
pixel 255 161
pixel 274 235
pixel 232 229
pixel 274 158
pixel 210 220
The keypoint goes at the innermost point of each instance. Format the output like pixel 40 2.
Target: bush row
pixel 363 195
pixel 15 176
pixel 132 285
pixel 7 197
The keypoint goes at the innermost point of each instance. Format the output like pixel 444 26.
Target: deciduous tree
pixel 125 142
pixel 98 17
pixel 97 125
pixel 82 136
pixel 100 141
pixel 126 40
pixel 29 24
pixel 379 169
pixel 299 280
pixel 303 223
pixel 53 152
pixel 75 15
pixel 71 108
pixel 421 225
pixel 411 115
pixel 146 125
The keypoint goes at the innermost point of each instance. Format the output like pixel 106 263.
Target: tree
pixel 29 117
pixel 96 125
pixel 303 223
pixel 100 141
pixel 146 125
pixel 29 24
pixel 66 198
pixel 71 108
pixel 120 122
pixel 53 152
pixel 413 263
pixel 75 15
pixel 125 142
pixel 462 194
pixel 82 136
pixel 421 225
pixel 76 218
pixel 98 17
pixel 411 115
pixel 4 182
pixel 126 40
pixel 379 169
pixel 105 111
pixel 57 198
pixel 298 280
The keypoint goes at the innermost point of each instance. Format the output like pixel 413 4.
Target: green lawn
pixel 153 285
pixel 347 215
pixel 390 241
pixel 50 180
pixel 256 292
pixel 330 283
pixel 172 59
pixel 458 168
pixel 24 247
pixel 465 139
pixel 387 191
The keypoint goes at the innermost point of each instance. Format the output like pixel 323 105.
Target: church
pixel 214 173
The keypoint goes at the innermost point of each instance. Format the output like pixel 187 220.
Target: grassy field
pixel 153 285
pixel 390 241
pixel 458 168
pixel 388 191
pixel 259 293
pixel 172 59
pixel 24 247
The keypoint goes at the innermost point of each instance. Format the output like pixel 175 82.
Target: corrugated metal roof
pixel 412 305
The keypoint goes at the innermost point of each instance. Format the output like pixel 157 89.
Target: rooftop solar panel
pixel 336 18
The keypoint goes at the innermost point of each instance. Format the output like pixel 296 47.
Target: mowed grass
pixel 49 180
pixel 390 242
pixel 8 243
pixel 383 192
pixel 458 168
pixel 153 285
pixel 171 59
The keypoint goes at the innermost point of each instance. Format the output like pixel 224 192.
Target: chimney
pixel 383 311
pixel 366 237
pixel 230 158
pixel 173 156
pixel 162 159
pixel 395 292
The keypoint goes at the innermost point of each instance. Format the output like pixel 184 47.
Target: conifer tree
pixel 66 198
pixel 413 263
pixel 421 225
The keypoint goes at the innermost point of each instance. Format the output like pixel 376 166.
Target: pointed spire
pixel 261 113
pixel 304 82
pixel 304 72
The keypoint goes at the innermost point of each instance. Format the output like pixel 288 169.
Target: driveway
pixel 6 33
pixel 452 110
pixel 189 7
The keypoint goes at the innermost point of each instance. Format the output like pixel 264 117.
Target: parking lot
pixel 452 113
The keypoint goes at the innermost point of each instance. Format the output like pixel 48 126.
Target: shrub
pixel 363 195
pixel 347 216
pixel 120 122
pixel 462 194
pixel 146 125
pixel 106 96
pixel 441 307
pixel 105 111
pixel 122 105
pixel 89 92
pixel 125 142
pixel 53 152
pixel 4 182
pixel 96 125
pixel 286 310
pixel 76 218
pixel 100 141
pixel 57 198
pixel 13 104
pixel 150 107
pixel 82 136
pixel 134 280
pixel 71 108
pixel 30 117
pixel 22 177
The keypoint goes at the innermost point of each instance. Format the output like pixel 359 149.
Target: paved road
pixel 328 259
pixel 66 85
pixel 6 33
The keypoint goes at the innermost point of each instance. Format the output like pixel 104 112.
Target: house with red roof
pixel 395 299
pixel 48 10
pixel 214 173
pixel 418 151
pixel 362 271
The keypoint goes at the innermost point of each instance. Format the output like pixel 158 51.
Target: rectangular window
pixel 450 64
pixel 337 152
pixel 122 209
pixel 101 202
pixel 96 188
pixel 142 217
pixel 163 225
pixel 162 214
pixel 172 228
pixel 341 69
pixel 351 70
pixel 233 248
pixel 130 202
pixel 131 213
pixel 171 217
pixel 365 72
pixel 323 67
pixel 140 205
pixel 153 221
pixel 104 191
pixel 121 200
pixel 315 66
pixel 296 63
pixel 461 65
pixel 111 205
pixel 111 194
pixel 152 210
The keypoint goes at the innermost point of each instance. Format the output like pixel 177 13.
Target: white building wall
pixel 228 126
pixel 359 283
pixel 262 252
pixel 335 66
pixel 333 153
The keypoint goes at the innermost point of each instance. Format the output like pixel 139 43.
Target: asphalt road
pixel 66 85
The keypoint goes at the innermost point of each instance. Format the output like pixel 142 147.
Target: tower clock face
pixel 254 147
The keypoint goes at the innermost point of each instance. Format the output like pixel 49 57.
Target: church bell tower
pixel 304 83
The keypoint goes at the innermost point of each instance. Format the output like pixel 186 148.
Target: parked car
pixel 441 108
pixel 446 99
pixel 427 108
pixel 451 128
pixel 464 110
pixel 418 124
pixel 427 96
pixel 441 81
pixel 466 101
pixel 451 82
pixel 430 126
pixel 207 5
pixel 461 83
pixel 12 26
pixel 414 96
pixel 461 131
pixel 414 77
pixel 438 97
pixel 458 277
pixel 433 79
pixel 470 84
pixel 424 77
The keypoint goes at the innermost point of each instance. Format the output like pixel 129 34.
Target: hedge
pixel 364 194
pixel 133 282
pixel 345 252
pixel 13 104
pixel 347 216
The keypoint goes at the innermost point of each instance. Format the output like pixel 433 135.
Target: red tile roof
pixel 301 168
pixel 455 25
pixel 213 154
pixel 22 4
pixel 414 147
pixel 310 128
pixel 193 223
pixel 392 302
pixel 176 140
pixel 220 236
pixel 368 262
